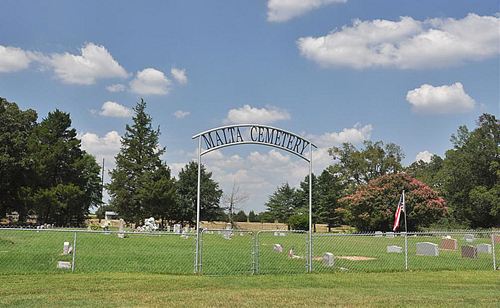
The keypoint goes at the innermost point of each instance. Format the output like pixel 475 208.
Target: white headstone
pixel 483 248
pixel 379 233
pixel 177 228
pixel 276 233
pixel 168 228
pixel 394 249
pixel 63 264
pixel 328 259
pixel 389 234
pixel 278 248
pixel 469 238
pixel 66 248
pixel 427 249
pixel 282 234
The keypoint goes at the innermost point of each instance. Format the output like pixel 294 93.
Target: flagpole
pixel 406 233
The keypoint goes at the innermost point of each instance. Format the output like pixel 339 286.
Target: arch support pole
pixel 310 269
pixel 198 194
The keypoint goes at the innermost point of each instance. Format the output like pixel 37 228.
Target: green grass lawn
pixel 418 289
pixel 38 252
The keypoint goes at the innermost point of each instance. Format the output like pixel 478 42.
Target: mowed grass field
pixel 38 252
pixel 416 289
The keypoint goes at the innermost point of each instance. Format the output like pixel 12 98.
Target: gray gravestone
pixel 64 265
pixel 121 233
pixel 389 234
pixel 379 233
pixel 394 249
pixel 469 238
pixel 66 248
pixel 483 248
pixel 427 249
pixel 177 228
pixel 469 252
pixel 328 259
pixel 278 248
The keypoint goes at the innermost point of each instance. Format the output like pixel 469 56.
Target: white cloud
pixel 407 43
pixel 116 88
pixel 150 82
pixel 179 114
pixel 13 59
pixel 283 10
pixel 179 75
pixel 95 62
pixel 354 135
pixel 106 146
pixel 424 156
pixel 440 100
pixel 112 109
pixel 249 114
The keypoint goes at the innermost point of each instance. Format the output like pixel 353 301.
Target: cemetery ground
pixel 418 289
pixel 32 252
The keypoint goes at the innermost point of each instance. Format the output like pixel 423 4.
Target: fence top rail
pixel 226 230
pixel 422 233
pixel 281 231
pixel 97 231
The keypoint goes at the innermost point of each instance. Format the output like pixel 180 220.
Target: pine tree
pixel 141 185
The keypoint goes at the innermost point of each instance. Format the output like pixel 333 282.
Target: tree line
pixel 46 174
pixel 363 185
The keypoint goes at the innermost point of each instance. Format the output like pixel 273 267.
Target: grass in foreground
pixel 451 289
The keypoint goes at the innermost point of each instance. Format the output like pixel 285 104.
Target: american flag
pixel 401 208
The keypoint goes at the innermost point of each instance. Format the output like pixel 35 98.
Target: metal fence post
pixel 406 251
pixel 200 253
pixel 493 251
pixel 257 252
pixel 74 253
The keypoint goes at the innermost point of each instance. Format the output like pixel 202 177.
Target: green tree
pixel 66 178
pixel 16 162
pixel 241 216
pixel 373 205
pixel 302 197
pixel 187 193
pixel 299 222
pixel 358 166
pixel 429 173
pixel 330 189
pixel 471 173
pixel 141 185
pixel 252 217
pixel 283 203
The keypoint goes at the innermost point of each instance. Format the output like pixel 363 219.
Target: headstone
pixel 469 238
pixel 394 249
pixel 177 228
pixel 427 249
pixel 379 233
pixel 389 234
pixel 282 234
pixel 66 248
pixel 469 252
pixel 278 248
pixel 63 264
pixel 186 229
pixel 276 233
pixel 483 248
pixel 328 259
pixel 168 228
pixel 496 238
pixel 121 233
pixel 448 244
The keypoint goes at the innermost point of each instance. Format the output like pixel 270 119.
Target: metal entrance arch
pixel 224 136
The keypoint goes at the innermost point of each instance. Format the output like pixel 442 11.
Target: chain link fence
pixel 224 252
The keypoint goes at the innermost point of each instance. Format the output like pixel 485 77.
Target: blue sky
pixel 408 72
